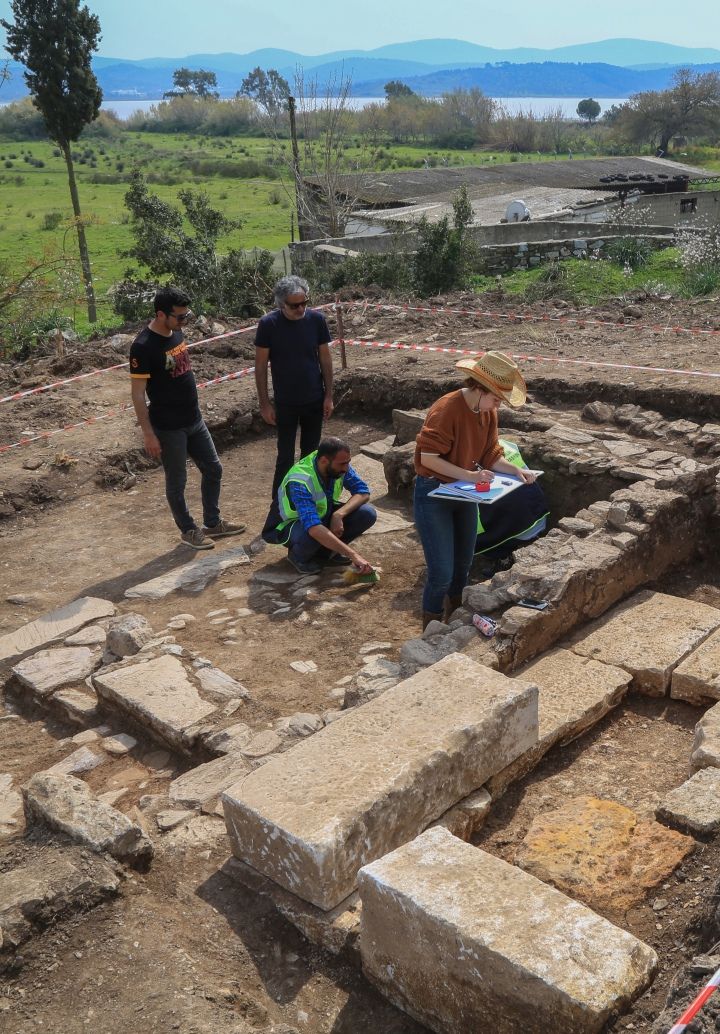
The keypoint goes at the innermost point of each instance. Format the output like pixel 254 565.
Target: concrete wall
pixel 682 209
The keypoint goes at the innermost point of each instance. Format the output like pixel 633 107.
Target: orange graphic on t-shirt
pixel 177 360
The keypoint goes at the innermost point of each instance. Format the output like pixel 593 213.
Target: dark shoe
pixel 427 617
pixel 451 604
pixel 305 566
pixel 196 539
pixel 338 560
pixel 224 528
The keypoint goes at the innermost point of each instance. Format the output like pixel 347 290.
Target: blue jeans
pixel 447 532
pixel 177 445
pixel 304 547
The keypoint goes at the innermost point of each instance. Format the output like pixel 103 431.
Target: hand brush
pixel 353 577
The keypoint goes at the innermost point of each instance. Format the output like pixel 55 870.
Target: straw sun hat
pixel 498 374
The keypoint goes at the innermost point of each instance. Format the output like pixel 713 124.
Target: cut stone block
pixel 81 760
pixel 697 679
pixel 93 635
pixel 377 776
pixel 694 806
pixel 79 705
pixel 48 670
pixel 56 625
pixel 217 683
pixel 127 634
pixel 407 424
pixel 601 852
pixel 575 693
pixel 649 636
pixel 159 694
pixel 59 882
pixel 336 930
pixel 467 817
pixel 460 940
pixel 192 577
pixel 66 804
pixel 706 745
pixel 195 788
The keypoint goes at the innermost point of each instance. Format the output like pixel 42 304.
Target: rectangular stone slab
pixel 192 577
pixel 49 627
pixel 649 635
pixel 158 694
pixel 463 941
pixel 378 776
pixel 697 679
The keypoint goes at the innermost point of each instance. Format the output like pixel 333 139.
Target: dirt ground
pixel 183 947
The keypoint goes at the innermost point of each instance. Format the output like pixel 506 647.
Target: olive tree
pixel 54 40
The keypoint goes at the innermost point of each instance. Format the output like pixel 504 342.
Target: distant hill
pixel 608 68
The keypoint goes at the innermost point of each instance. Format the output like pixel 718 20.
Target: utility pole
pixel 296 165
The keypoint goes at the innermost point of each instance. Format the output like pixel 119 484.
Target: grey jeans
pixel 195 442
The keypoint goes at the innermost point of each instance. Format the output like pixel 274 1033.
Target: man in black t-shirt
pixel 172 425
pixel 294 340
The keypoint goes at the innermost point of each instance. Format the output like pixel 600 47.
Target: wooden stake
pixel 341 332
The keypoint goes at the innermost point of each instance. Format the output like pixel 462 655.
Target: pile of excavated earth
pixel 234 798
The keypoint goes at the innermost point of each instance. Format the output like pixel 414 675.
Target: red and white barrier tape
pixel 120 366
pixel 694 1008
pixel 116 412
pixel 513 317
pixel 399 345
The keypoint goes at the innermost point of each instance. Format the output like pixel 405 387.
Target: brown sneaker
pixel 196 539
pixel 224 528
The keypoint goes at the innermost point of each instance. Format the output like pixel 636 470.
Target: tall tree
pixel 200 83
pixel 54 40
pixel 268 89
pixel 589 109
pixel 691 105
pixel 396 88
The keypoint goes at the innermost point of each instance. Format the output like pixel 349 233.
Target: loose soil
pixel 184 948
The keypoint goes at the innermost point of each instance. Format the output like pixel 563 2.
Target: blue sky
pixel 172 28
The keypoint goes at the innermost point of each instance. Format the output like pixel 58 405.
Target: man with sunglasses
pixel 294 340
pixel 172 425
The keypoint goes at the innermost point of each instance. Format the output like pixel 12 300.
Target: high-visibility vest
pixel 304 473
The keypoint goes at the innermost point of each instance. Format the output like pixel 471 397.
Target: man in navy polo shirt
pixel 294 340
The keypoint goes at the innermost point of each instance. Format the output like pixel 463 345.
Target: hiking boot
pixel 305 566
pixel 338 560
pixel 196 539
pixel 224 528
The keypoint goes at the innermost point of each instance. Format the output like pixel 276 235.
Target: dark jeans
pixel 310 419
pixel 303 547
pixel 447 532
pixel 195 442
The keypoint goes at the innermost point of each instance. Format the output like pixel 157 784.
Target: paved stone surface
pixel 649 636
pixel 56 625
pixel 58 881
pixel 127 634
pixel 192 577
pixel 336 930
pixel 697 678
pixel 694 806
pixel 388 520
pixel 575 693
pixel 601 853
pixel 379 775
pixel 706 745
pixel 457 938
pixel 218 683
pixel 159 694
pixel 66 804
pixel 44 672
pixel 204 782
pixel 82 760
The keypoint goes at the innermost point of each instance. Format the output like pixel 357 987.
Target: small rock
pixel 167 820
pixel 374 647
pixel 263 743
pixel 304 667
pixel 20 599
pixel 83 760
pixel 598 413
pixel 128 634
pixel 156 759
pixel 86 736
pixel 119 745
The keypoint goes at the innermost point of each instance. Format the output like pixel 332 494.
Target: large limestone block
pixel 56 625
pixel 706 745
pixel 48 670
pixel 694 806
pixel 66 804
pixel 192 577
pixel 601 852
pixel 157 693
pixel 575 693
pixel 200 784
pixel 379 775
pixel 697 679
pixel 463 941
pixel 649 636
pixel 407 424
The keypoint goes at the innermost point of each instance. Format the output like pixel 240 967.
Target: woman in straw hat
pixel 459 441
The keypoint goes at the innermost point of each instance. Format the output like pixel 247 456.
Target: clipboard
pixel 464 491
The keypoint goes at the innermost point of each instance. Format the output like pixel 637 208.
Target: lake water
pixel 539 105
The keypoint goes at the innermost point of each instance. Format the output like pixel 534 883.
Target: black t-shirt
pixel 164 363
pixel 294 362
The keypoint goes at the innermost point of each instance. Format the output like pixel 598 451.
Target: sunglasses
pixel 298 305
pixel 180 318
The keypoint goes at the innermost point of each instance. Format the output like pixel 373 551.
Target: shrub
pixel 630 251
pixel 51 221
pixel 445 254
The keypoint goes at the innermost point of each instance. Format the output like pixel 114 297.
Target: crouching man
pixel 308 518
